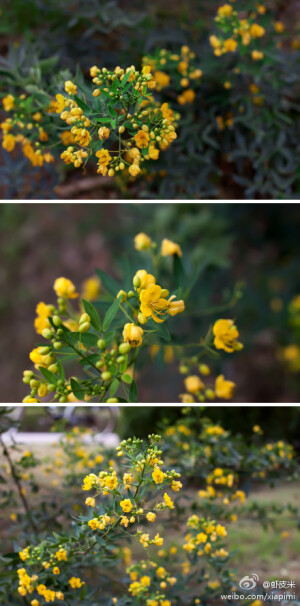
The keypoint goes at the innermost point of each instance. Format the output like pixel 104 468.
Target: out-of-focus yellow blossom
pixel 142 241
pixel 91 288
pixel 65 288
pixel 170 248
pixel 224 389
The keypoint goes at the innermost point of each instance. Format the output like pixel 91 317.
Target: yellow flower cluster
pixel 244 32
pixel 206 533
pixel 24 127
pixel 178 69
pixel 150 128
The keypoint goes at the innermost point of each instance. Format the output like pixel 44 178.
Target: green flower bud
pixel 106 375
pixel 53 368
pixel 43 351
pixel 51 387
pixel 131 294
pixel 28 373
pixel 84 318
pixel 34 384
pixel 124 348
pixel 57 345
pixel 99 364
pixel 47 334
pixel 84 327
pixel 164 292
pixel 136 281
pixel 142 319
pixel 183 369
pixel 112 401
pixel 120 359
pixel 101 344
pixel 56 320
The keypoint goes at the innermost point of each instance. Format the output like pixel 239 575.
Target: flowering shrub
pixel 137 535
pixel 91 120
pixel 105 338
pixel 229 94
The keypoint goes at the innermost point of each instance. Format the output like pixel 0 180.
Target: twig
pixel 16 479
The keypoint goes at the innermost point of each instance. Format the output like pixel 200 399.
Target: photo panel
pixel 150 303
pixel 150 505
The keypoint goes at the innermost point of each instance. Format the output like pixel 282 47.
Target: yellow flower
pixel 41 321
pixel 142 241
pixel 134 169
pixel 126 505
pixel 257 55
pixel 133 334
pixel 188 96
pixel 91 288
pixel 104 159
pixel 145 279
pixel 90 501
pixel 81 136
pixel 8 102
pixel 70 87
pixel 230 45
pixel 153 304
pixel 103 133
pixel 142 139
pixel 168 501
pixel 61 555
pixel 279 27
pixel 170 248
pixel 75 582
pixel 9 142
pixel 257 31
pixel 65 288
pixel 186 398
pixel 176 307
pixel 193 384
pixel 151 516
pixel 224 389
pixel 225 10
pixel 226 333
pixel 158 475
pixel 67 137
pixel 162 79
pixel 215 42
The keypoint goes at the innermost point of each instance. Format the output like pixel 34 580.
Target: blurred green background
pixel 256 244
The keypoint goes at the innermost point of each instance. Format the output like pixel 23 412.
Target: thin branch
pixel 16 479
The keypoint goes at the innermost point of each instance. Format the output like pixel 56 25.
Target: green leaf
pixel 92 312
pixel 163 332
pixel 127 378
pixel 77 389
pixel 50 376
pixel 178 271
pixel 125 79
pixel 109 283
pixel 113 388
pixel 110 314
pixel 81 103
pixel 133 392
